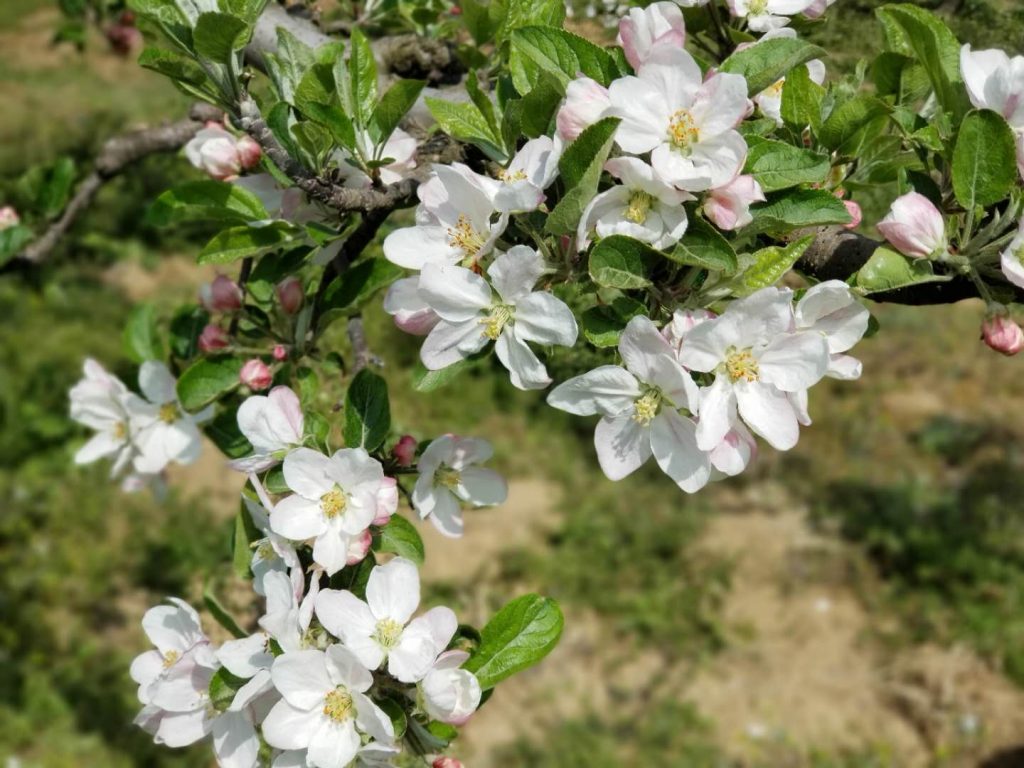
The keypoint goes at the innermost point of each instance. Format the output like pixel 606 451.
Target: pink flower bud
pixel 387 501
pixel 214 151
pixel 280 352
pixel 249 152
pixel 644 29
pixel 855 214
pixel 8 218
pixel 1003 335
pixel 586 102
pixel 358 547
pixel 123 39
pixel 914 226
pixel 222 295
pixel 405 450
pixel 446 762
pixel 256 375
pixel 213 338
pixel 729 206
pixel 816 9
pixel 290 294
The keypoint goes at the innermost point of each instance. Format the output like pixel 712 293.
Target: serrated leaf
pixel 984 160
pixel 356 286
pixel 141 337
pixel 206 201
pixel 463 121
pixel 795 209
pixel 367 411
pixel 766 62
pixel 400 537
pixel 240 242
pixel 218 35
pixel 520 634
pixel 777 165
pixel 207 379
pixel 770 264
pixel 848 118
pixel 704 246
pixel 622 262
pixel 801 100
pixel 888 270
pixel 580 170
pixel 362 78
pixel 394 105
pixel 561 54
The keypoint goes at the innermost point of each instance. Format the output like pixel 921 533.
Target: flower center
pixel 265 550
pixel 338 704
pixel 464 237
pixel 757 7
pixel 509 176
pixel 494 323
pixel 170 658
pixel 639 206
pixel 333 503
pixel 169 413
pixel 682 129
pixel 120 431
pixel 740 364
pixel 387 633
pixel 447 477
pixel 647 405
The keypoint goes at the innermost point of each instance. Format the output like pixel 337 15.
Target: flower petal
pixel 768 412
pixel 393 590
pixel 674 444
pixel 608 390
pixel 526 371
pixel 622 444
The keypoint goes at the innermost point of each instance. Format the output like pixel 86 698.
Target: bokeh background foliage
pixel 875 574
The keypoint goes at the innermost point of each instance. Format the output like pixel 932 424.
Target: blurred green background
pixel 857 602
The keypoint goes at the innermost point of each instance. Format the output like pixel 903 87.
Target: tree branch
pixel 116 155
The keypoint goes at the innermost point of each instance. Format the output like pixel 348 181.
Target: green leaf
pixel 218 35
pixel 175 66
pixel 766 62
pixel 520 634
pixel 315 87
pixel 223 687
pixel 797 208
pixel 704 246
pixel 56 189
pixel 849 118
pixel 400 537
pixel 394 105
pixel 245 534
pixel 186 326
pixel 888 270
pixel 274 482
pixel 464 122
pixel 561 54
pixel 580 170
pixel 777 165
pixel 801 100
pixel 206 201
pixel 362 73
pixel 290 62
pixel 984 160
pixel 603 325
pixel 424 380
pixel 207 379
pixel 141 337
pixel 395 713
pixel 221 614
pixel 13 240
pixel 239 242
pixel 357 285
pixel 770 264
pixel 622 262
pixel 515 14
pixel 224 432
pixel 367 411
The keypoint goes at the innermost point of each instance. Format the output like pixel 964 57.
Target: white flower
pixel 400 148
pixel 272 552
pixel 995 81
pixel 287 619
pixel 412 314
pixel 472 315
pixel 685 122
pixel 324 707
pixel 376 630
pixel 163 430
pixel 644 29
pixel 273 424
pixel 586 102
pixel 769 101
pixel 178 636
pixel 639 407
pixel 453 221
pixel 766 15
pixel 214 151
pixel 372 755
pixel 450 694
pixel 831 309
pixel 521 185
pixel 1012 259
pixel 448 476
pixel 734 454
pixel 643 207
pixel 101 402
pixel 756 362
pixel 335 500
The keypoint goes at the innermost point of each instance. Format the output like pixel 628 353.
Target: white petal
pixel 308 473
pixel 246 656
pixel 287 727
pixel 674 444
pixel 717 413
pixel 344 615
pixel 795 361
pixel 415 247
pixel 372 720
pixel 454 293
pixel 526 371
pixel 640 344
pixel 448 343
pixel 514 273
pixel 481 487
pixel 157 383
pixel 393 590
pixel 545 319
pixel 297 518
pixel 345 669
pixel 768 412
pixel 608 390
pixel 331 548
pixel 181 729
pixel 333 745
pixel 235 742
pixel 622 444
pixel 302 679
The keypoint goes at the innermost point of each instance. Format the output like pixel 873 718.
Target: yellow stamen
pixel 120 431
pixel 757 7
pixel 338 705
pixel 495 322
pixel 447 477
pixel 170 658
pixel 682 129
pixel 775 89
pixel 464 237
pixel 740 364
pixel 647 406
pixel 639 206
pixel 387 633
pixel 510 176
pixel 169 413
pixel 333 503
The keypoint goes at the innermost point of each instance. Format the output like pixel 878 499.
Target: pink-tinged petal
pixel 795 362
pixel 643 29
pixel 481 487
pixel 393 590
pixel 297 518
pixel 1012 259
pixel 526 371
pixel 720 103
pixel 728 206
pixel 411 312
pixel 448 343
pixel 623 445
pixel 717 413
pixel 768 412
pixel 301 677
pixel 308 473
pixel 674 444
pixel 586 102
pixel 914 226
pixel 608 390
pixel 735 452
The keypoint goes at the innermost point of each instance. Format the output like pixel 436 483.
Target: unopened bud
pixel 1003 335
pixel 256 375
pixel 387 501
pixel 213 338
pixel 290 294
pixel 405 450
pixel 280 352
pixel 856 216
pixel 249 152
pixel 124 39
pixel 222 295
pixel 8 218
pixel 358 547
pixel 446 762
pixel 915 227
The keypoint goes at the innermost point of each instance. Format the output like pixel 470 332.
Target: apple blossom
pixel 387 501
pixel 915 227
pixel 640 408
pixel 256 375
pixel 102 402
pixel 288 613
pixel 644 29
pixel 766 15
pixel 221 295
pixel 1012 258
pixel 379 629
pixel 643 207
pixel 687 123
pixel 756 361
pixel 453 221
pixel 586 102
pixel 831 309
pixel 272 424
pixel 411 312
pixel 995 81
pixel 404 450
pixel 324 708
pixel 8 218
pixel 521 185
pixel 279 353
pixel 449 475
pixel 290 295
pixel 334 500
pixel 249 152
pixel 272 552
pixel 472 315
pixel 218 153
pixel 1003 335
pixel 177 634
pixel 446 762
pixel 734 454
pixel 817 8
pixel 163 430
pixel 682 322
pixel 213 338
pixel 448 693
pixel 728 206
pixel 400 148
pixel 856 215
